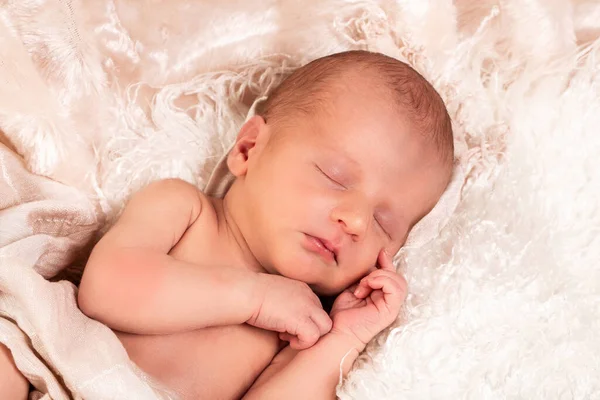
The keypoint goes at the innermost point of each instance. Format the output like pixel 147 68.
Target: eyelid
pixel 329 177
pixel 382 228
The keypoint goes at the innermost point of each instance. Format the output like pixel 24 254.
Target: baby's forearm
pixel 141 291
pixel 308 374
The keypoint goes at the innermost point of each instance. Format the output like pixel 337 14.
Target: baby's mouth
pixel 322 247
pixel 333 251
pixel 332 248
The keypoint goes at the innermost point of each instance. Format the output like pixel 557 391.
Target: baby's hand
pixel 365 309
pixel 291 308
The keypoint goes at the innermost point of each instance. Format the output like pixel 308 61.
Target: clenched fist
pixel 291 308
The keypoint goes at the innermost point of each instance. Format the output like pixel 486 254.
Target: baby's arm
pixel 131 283
pixel 307 374
pixel 358 314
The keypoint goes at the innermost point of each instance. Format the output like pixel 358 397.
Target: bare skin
pixel 202 291
pixel 179 360
pixel 13 385
pixel 183 315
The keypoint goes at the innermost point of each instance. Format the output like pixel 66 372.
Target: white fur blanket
pixel 106 96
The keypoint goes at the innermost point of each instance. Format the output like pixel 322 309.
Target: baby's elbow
pixel 87 300
pixel 93 295
pixel 95 304
pixel 105 291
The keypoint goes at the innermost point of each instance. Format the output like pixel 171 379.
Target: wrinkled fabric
pixel 106 96
pixel 64 354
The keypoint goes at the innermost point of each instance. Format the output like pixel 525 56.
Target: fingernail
pixel 356 292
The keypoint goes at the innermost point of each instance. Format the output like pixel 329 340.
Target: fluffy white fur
pixel 109 95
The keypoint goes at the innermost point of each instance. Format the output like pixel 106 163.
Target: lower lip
pixel 314 245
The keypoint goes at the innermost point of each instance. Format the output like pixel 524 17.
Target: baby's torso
pixel 215 362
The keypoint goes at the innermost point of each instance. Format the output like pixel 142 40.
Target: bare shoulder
pixel 158 215
pixel 171 193
pixel 182 197
pixel 168 198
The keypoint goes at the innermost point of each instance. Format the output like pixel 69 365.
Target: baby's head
pixel 340 162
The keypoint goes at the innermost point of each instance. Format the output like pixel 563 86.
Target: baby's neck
pixel 226 218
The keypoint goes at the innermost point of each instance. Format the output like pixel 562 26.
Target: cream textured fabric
pixel 64 354
pixel 105 96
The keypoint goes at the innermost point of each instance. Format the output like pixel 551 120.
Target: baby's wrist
pixel 347 339
pixel 258 287
pixel 251 289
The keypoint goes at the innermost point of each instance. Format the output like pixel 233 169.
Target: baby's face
pixel 327 194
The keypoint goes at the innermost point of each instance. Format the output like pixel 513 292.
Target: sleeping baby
pixel 216 298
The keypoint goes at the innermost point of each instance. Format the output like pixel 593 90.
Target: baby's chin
pixel 305 267
pixel 322 288
pixel 326 290
pixel 326 296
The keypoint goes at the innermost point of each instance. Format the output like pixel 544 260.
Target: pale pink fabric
pixel 106 96
pixel 64 354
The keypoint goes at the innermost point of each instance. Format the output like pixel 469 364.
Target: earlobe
pixel 245 145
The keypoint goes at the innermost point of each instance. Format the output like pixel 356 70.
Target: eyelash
pixel 382 228
pixel 339 184
pixel 328 177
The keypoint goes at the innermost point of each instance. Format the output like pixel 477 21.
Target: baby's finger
pixel 388 284
pixel 307 334
pixel 293 341
pixel 315 300
pixel 385 261
pixel 393 292
pixel 322 321
pixel 285 337
pixel 295 344
pixel 363 289
pixel 397 279
pixel 377 298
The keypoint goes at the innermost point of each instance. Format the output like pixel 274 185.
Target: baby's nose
pixel 354 221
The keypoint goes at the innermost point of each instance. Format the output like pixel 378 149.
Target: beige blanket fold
pixel 64 354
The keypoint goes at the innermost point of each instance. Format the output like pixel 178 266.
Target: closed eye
pixel 329 177
pixel 382 228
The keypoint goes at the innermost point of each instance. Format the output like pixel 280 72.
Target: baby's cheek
pixel 370 264
pixel 352 275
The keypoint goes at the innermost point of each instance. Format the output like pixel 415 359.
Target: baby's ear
pixel 249 140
